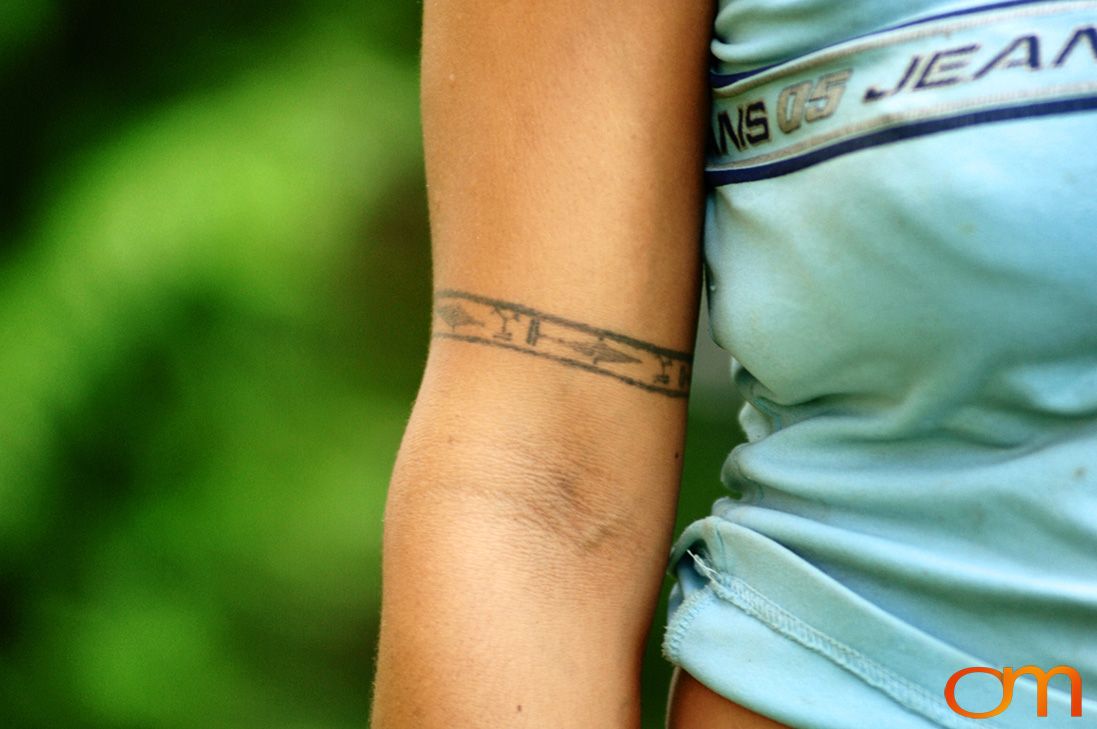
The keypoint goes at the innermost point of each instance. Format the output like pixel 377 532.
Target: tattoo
pixel 471 318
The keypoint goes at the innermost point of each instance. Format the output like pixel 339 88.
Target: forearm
pixel 530 511
pixel 525 544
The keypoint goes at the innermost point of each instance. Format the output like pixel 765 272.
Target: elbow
pixel 534 492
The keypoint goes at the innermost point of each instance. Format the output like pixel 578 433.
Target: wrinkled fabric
pixel 907 279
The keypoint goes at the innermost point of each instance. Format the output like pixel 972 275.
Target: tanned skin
pixel 530 511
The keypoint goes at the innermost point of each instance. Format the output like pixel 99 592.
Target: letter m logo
pixel 1007 677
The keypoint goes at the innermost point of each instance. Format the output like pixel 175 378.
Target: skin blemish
pixel 1079 473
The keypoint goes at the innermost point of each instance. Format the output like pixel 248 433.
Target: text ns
pixel 805 102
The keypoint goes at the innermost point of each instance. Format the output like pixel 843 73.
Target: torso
pixel 906 281
pixel 693 706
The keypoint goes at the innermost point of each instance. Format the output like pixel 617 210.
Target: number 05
pixel 810 102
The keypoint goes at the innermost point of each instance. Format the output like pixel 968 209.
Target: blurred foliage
pixel 214 285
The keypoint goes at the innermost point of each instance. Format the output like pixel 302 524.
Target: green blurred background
pixel 214 297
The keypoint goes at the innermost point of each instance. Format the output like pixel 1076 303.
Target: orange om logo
pixel 1007 676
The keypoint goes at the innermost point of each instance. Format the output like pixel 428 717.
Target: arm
pixel 530 510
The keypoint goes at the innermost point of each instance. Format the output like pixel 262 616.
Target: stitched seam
pixel 914 697
pixel 683 618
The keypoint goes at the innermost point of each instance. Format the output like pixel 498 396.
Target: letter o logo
pixel 950 693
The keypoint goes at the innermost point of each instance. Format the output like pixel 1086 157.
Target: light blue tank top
pixel 901 252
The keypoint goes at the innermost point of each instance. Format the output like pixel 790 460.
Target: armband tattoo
pixel 471 318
